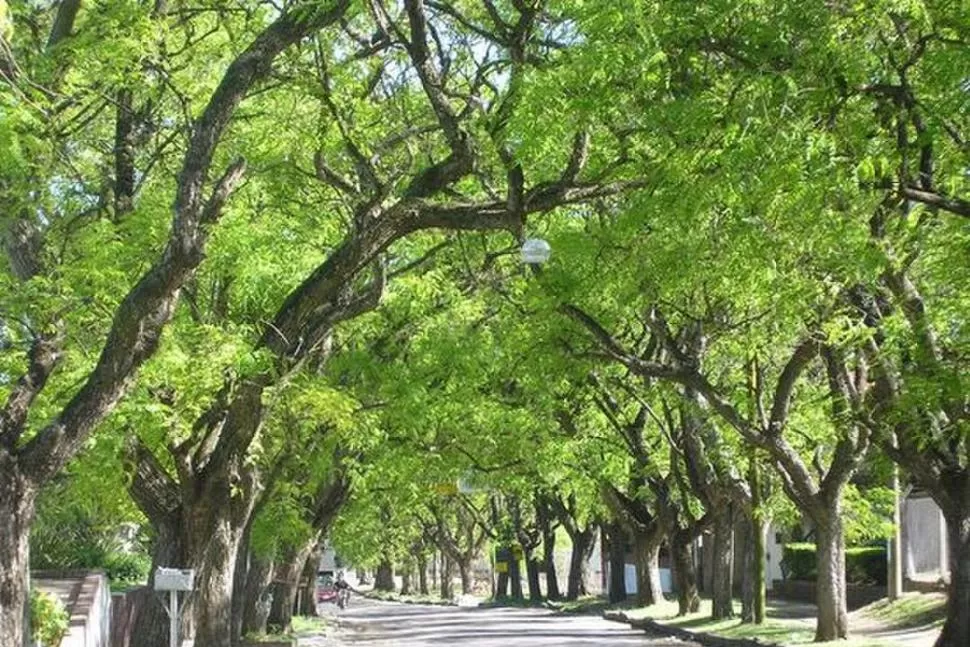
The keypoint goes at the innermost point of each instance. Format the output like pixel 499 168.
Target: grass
pixel 305 625
pixel 778 631
pixel 910 611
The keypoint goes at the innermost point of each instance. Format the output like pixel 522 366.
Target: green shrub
pixel 863 564
pixel 49 619
pixel 866 565
pixel 798 561
pixel 127 568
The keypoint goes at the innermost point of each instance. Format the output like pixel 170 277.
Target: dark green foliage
pixel 127 568
pixel 863 564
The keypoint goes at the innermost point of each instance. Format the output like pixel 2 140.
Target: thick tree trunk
pixel 239 589
pixel 722 565
pixel 384 578
pixel 149 621
pixel 406 580
pixel 465 572
pixel 308 607
pixel 445 570
pixel 515 578
pixel 747 571
pixel 548 552
pixel 956 629
pixel 257 595
pixel 833 622
pixel 422 575
pixel 617 556
pixel 17 501
pixel 213 549
pixel 758 570
pixel 647 549
pixel 685 573
pixel 287 579
pixel 532 566
pixel 578 561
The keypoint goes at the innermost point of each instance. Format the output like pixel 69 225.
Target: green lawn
pixel 911 611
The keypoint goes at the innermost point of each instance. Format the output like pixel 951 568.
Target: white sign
pixel 174 579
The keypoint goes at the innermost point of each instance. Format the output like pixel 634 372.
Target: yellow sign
pixel 446 489
pixel 501 567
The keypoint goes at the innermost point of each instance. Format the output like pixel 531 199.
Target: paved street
pixel 380 624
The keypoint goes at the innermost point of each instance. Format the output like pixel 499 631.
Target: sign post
pixel 174 580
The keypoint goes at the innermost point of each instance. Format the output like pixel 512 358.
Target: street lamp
pixel 535 251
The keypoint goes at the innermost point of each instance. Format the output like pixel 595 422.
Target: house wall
pixel 925 554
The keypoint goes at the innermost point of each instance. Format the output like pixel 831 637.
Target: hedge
pixel 863 564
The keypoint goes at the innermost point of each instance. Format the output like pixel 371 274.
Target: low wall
pixel 87 597
pixel 856 595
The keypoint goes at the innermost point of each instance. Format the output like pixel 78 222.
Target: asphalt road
pixel 381 624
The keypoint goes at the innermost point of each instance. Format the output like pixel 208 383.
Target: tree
pixel 29 461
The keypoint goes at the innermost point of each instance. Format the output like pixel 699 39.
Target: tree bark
pixel 956 629
pixel 647 549
pixel 309 577
pixel 685 573
pixel 532 568
pixel 465 572
pixel 257 596
pixel 722 565
pixel 747 572
pixel 544 520
pixel 422 574
pixel 445 575
pixel 578 562
pixel 17 501
pixel 406 580
pixel 617 555
pixel 149 621
pixel 384 578
pixel 515 578
pixel 833 623
pixel 287 580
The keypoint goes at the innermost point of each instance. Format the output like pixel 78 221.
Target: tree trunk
pixel 239 585
pixel 722 558
pixel 647 549
pixel 617 553
pixel 257 595
pixel 149 620
pixel 515 577
pixel 956 629
pixel 549 554
pixel 685 573
pixel 747 571
pixel 759 521
pixel 287 579
pixel 833 623
pixel 447 590
pixel 578 561
pixel 422 575
pixel 465 572
pixel 532 566
pixel 17 501
pixel 406 580
pixel 384 578
pixel 309 606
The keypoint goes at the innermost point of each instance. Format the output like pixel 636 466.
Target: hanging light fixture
pixel 535 251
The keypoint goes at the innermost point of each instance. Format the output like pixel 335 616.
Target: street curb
pixel 706 639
